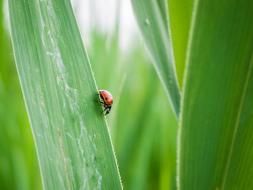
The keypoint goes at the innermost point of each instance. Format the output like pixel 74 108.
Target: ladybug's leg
pixel 105 107
pixel 107 110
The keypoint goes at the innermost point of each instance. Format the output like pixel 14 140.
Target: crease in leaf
pixel 237 123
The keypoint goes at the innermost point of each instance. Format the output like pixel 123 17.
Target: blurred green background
pixel 142 127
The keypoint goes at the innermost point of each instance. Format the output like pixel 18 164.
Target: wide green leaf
pixel 216 123
pixel 151 17
pixel 72 140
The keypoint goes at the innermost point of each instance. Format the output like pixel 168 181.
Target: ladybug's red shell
pixel 106 97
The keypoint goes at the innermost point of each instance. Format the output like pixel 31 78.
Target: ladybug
pixel 106 100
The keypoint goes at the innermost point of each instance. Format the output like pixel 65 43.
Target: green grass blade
pixel 180 14
pixel 150 17
pixel 71 135
pixel 18 164
pixel 163 5
pixel 216 129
